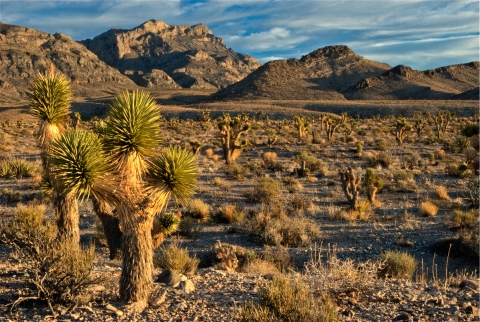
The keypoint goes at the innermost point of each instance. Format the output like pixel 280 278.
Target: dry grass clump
pixel 237 171
pixel 209 152
pixel 229 214
pixel 442 193
pixel 398 264
pixel 198 209
pixel 289 300
pixel 269 160
pixel 175 258
pixel 312 163
pixel 428 209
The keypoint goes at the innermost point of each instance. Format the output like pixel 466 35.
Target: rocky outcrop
pixel 190 55
pixel 24 52
pixel 319 75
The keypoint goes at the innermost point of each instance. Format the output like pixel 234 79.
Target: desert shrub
pixel 209 152
pixel 402 175
pixel 229 214
pixel 381 144
pixel 59 273
pixel 217 181
pixel 236 170
pixel 398 264
pixel 359 148
pixel 265 191
pixel 11 196
pixel 463 219
pixel 471 192
pixel 412 159
pixel 370 177
pixel 299 202
pixel 167 223
pixel 292 184
pixel 176 258
pixel 284 299
pixel 269 229
pixel 269 159
pixel 470 130
pixel 18 168
pixel 428 209
pixel 312 163
pixel 198 209
pixel 189 227
pixel 442 193
pixel 381 158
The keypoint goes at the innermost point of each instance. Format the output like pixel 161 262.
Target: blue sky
pixel 420 34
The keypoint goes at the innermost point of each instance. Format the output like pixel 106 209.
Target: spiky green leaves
pixel 133 126
pixel 79 164
pixel 51 97
pixel 173 173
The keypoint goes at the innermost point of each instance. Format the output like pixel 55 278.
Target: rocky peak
pixel 191 55
pixel 333 52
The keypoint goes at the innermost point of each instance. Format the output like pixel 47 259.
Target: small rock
pixel 169 277
pixel 188 287
pixel 352 301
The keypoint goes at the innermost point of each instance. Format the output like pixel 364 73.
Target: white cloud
pixel 276 37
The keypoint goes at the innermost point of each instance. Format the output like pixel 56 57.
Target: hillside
pixel 24 52
pixel 402 82
pixel 155 54
pixel 337 73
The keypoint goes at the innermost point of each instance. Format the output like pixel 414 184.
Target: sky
pixel 419 34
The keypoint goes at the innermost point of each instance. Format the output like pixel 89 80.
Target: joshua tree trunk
pixel 66 208
pixel 137 257
pixel 350 184
pixel 110 224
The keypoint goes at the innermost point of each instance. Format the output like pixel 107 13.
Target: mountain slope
pixel 322 74
pixel 24 52
pixel 402 82
pixel 191 56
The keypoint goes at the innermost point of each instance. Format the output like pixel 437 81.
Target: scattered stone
pixel 169 277
pixel 187 286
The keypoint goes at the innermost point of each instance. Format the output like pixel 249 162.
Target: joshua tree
pixel 135 179
pixel 302 126
pixel 442 120
pixel 401 130
pixel 350 183
pixel 231 129
pixel 50 103
pixel 332 123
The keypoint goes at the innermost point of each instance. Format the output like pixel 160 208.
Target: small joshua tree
pixel 369 182
pixel 231 130
pixel 331 124
pixel 442 120
pixel 196 146
pixel 420 122
pixel 302 126
pixel 350 183
pixel 401 130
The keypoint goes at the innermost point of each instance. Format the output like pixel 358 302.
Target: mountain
pixel 402 82
pixel 24 52
pixel 155 54
pixel 337 73
pixel 321 74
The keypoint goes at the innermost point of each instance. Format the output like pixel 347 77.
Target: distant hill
pixel 337 73
pixel 402 82
pixel 322 74
pixel 24 52
pixel 155 54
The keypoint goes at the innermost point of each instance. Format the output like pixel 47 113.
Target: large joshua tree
pixel 145 180
pixel 50 103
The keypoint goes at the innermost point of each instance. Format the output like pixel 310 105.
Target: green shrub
pixel 292 184
pixel 236 170
pixel 463 219
pixel 470 130
pixel 229 214
pixel 11 196
pixel 284 299
pixel 175 258
pixel 312 163
pixel 370 177
pixel 18 168
pixel 398 264
pixel 471 192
